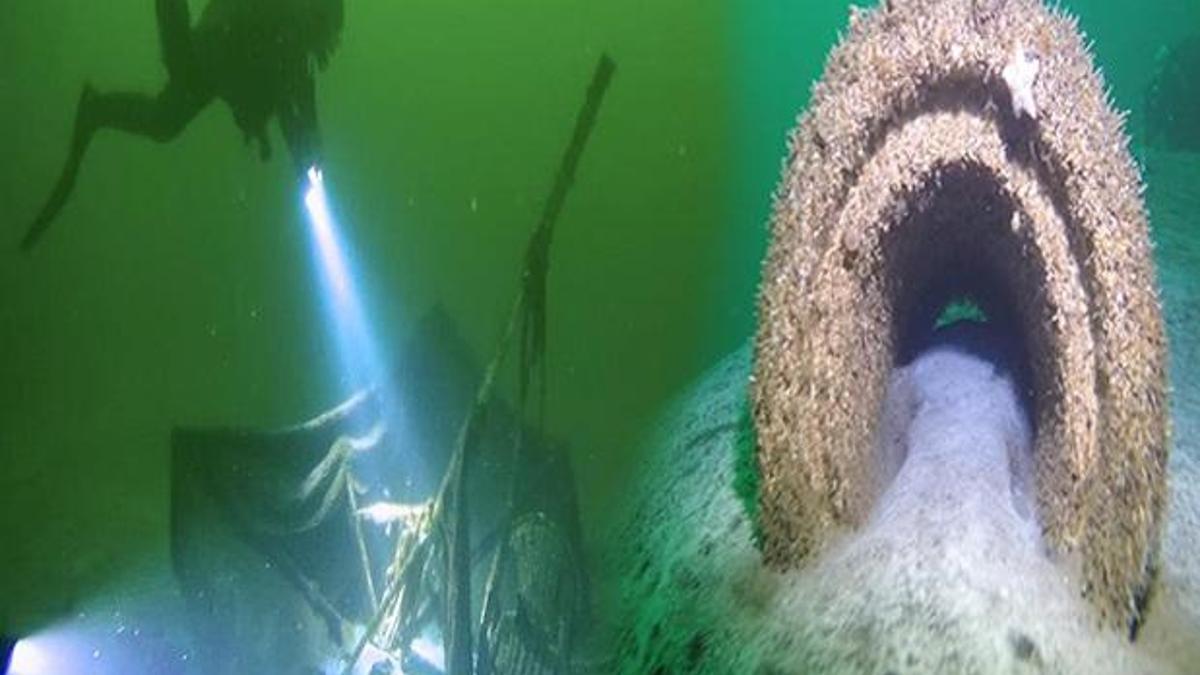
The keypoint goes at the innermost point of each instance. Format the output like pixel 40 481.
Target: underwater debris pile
pixel 954 149
pixel 282 539
pixel 291 498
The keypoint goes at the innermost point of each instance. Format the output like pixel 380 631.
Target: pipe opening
pixel 958 273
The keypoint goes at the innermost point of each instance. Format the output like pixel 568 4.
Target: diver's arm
pixel 298 119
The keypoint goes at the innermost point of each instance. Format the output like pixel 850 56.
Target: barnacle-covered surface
pixel 958 146
pixel 1175 607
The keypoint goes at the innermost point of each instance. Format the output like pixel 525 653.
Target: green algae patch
pixel 958 310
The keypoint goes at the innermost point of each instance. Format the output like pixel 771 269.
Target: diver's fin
pixel 54 204
pixel 66 181
pixel 32 235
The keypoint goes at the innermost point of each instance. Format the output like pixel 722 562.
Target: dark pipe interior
pixel 998 339
pixel 956 245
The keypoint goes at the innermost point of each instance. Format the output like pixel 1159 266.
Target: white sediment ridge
pixel 950 574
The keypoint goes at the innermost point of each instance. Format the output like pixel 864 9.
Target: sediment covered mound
pixel 964 148
pixel 948 575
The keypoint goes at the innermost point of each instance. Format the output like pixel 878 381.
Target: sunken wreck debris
pixel 959 148
pixel 299 517
pixel 495 573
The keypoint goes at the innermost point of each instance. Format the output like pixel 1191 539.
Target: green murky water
pixel 176 287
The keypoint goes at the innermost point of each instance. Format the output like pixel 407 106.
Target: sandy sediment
pixel 949 573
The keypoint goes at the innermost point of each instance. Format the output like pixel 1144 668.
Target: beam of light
pixel 28 658
pixel 359 358
pixel 332 257
pixel 430 651
pixel 361 367
pixel 54 651
pixel 104 645
pixel 358 355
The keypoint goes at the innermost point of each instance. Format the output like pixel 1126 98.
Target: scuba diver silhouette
pixel 259 56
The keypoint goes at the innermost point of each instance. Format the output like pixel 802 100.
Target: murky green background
pixel 176 287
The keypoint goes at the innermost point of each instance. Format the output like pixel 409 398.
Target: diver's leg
pixel 159 117
pixel 175 36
